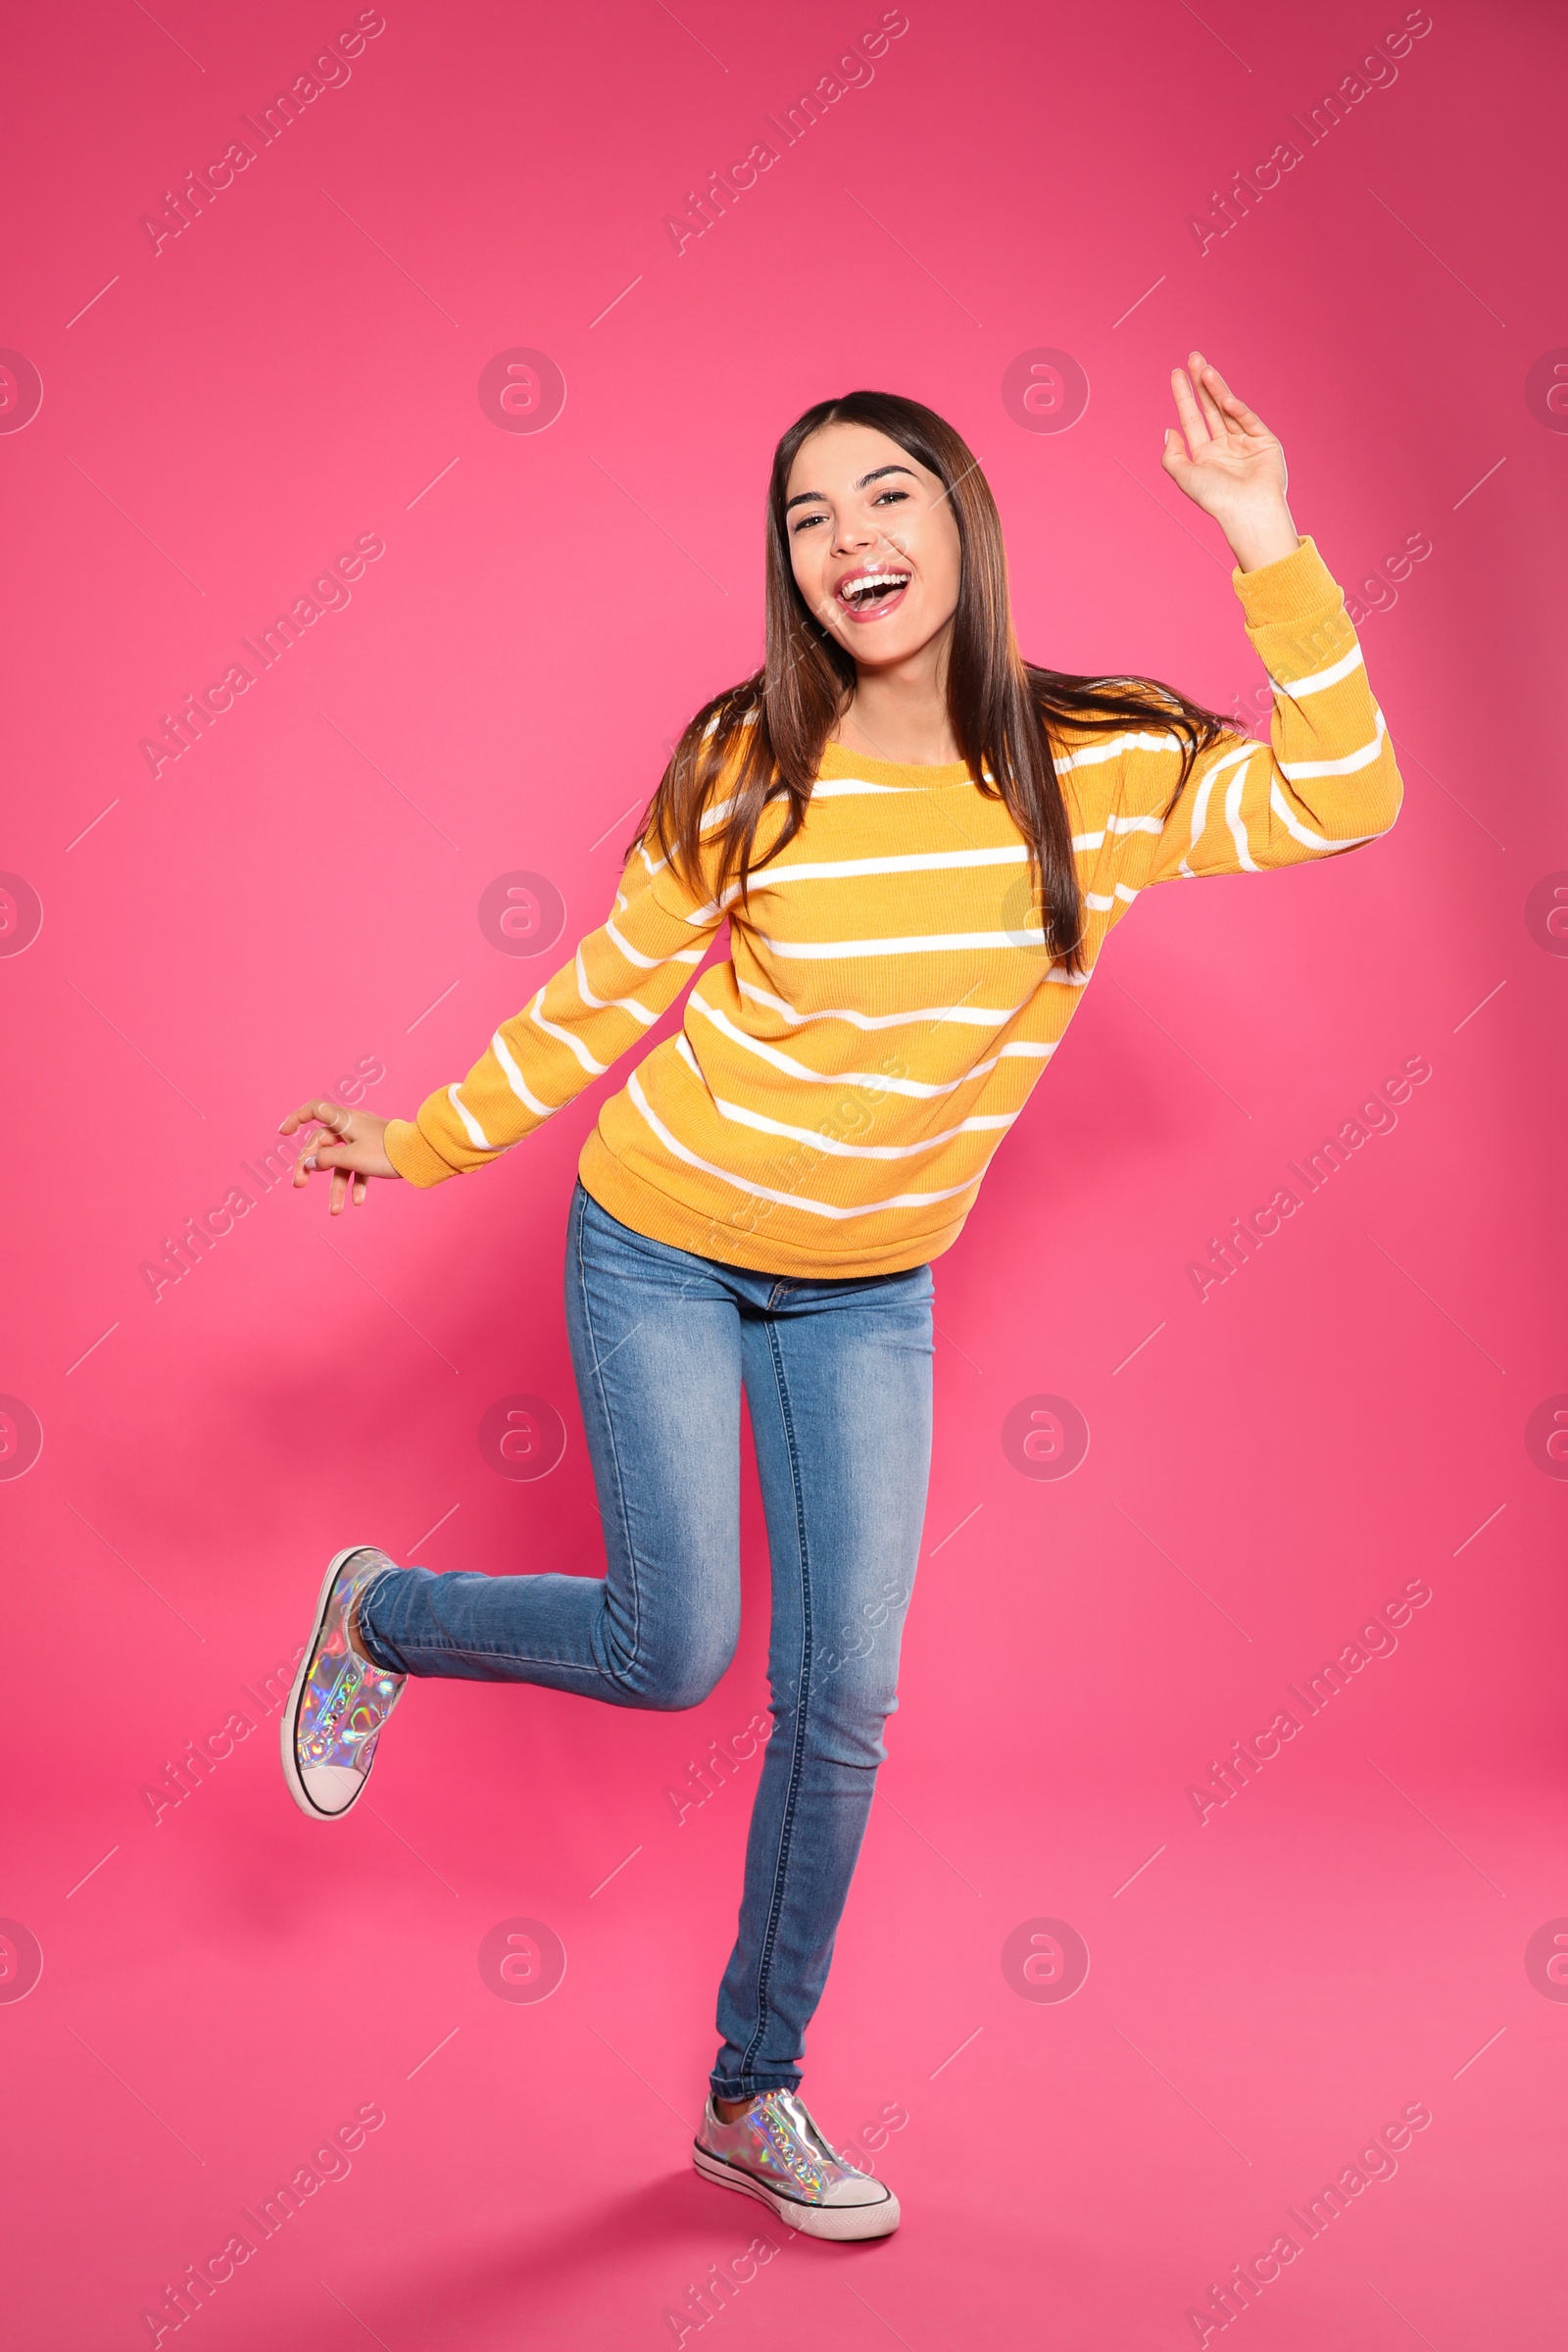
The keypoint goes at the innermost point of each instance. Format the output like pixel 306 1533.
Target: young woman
pixel 919 843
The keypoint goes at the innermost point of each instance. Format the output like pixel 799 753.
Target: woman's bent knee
pixel 674 1683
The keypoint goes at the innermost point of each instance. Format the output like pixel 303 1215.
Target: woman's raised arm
pixel 1326 782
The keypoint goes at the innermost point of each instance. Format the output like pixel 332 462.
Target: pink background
pixel 221 1988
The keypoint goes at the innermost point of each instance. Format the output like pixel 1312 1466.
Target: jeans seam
pixel 623 1677
pixel 781 1860
pixel 366 1634
pixel 464 1650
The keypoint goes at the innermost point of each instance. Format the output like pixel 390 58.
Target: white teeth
pixel 861 586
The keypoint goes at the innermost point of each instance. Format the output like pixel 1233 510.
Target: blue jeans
pixel 838 1380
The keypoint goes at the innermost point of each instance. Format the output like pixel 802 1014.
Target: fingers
pixel 333 1151
pixel 1214 416
pixel 1187 411
pixel 1236 411
pixel 347 1186
pixel 308 1114
pixel 337 1121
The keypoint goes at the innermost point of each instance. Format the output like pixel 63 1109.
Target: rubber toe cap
pixel 331 1787
pixel 860 2191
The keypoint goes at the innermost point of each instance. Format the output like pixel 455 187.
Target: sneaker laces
pixel 799 2127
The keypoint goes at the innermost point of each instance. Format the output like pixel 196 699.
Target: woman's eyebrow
pixel 818 498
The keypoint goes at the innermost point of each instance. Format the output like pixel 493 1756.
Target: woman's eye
pixel 894 495
pixel 805 524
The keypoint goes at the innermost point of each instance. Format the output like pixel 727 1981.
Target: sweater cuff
pixel 1298 587
pixel 413 1157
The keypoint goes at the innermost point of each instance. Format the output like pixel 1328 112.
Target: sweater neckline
pixel 912 774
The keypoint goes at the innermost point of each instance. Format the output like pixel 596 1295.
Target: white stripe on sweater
pixel 709 816
pixel 764 1192
pixel 1118 824
pixel 1200 800
pixel 838 788
pixel 924 861
pixel 971 1015
pixel 1236 823
pixel 1292 769
pixel 820 1141
pixel 471 1127
pixel 1294 688
pixel 639 1012
pixel 573 1045
pixel 930 943
pixel 1304 833
pixel 516 1080
pixel 650 964
pixel 915 1088
pixel 1094 754
pixel 709 915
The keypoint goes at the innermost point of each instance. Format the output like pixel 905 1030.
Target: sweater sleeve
pixel 621 979
pixel 1325 781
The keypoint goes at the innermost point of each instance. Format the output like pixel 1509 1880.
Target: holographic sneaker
pixel 339 1701
pixel 773 2152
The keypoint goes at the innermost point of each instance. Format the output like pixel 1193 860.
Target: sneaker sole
pixel 291 1770
pixel 839 2222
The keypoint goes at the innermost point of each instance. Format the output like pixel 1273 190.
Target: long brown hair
pixel 1005 714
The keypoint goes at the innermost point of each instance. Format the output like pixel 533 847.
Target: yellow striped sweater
pixel 839 1085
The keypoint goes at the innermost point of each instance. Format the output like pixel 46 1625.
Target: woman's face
pixel 873 542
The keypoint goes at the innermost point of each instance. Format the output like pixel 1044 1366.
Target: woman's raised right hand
pixel 351 1148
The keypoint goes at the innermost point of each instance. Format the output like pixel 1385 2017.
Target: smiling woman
pixel 884 544
pixel 920 842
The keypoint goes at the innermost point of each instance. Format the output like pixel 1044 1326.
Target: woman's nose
pixel 854 538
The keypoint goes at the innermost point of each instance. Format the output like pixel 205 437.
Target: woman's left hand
pixel 1230 464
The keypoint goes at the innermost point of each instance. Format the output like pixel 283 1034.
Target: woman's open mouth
pixel 871 593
